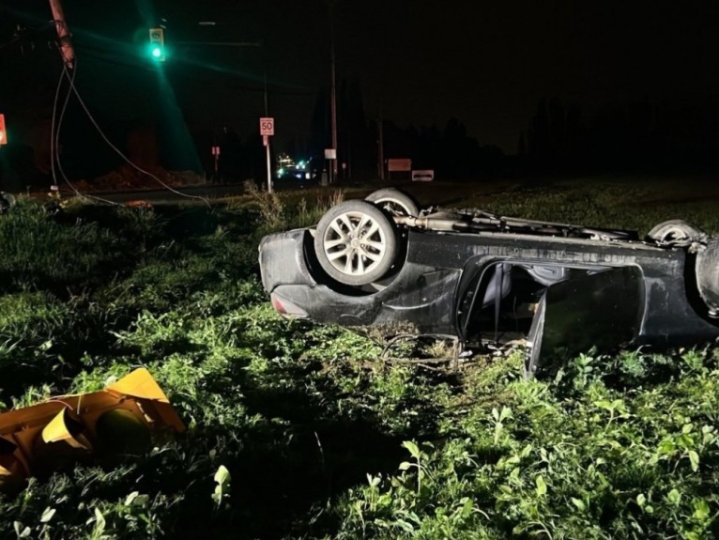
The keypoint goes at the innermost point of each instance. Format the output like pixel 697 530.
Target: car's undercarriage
pixel 560 288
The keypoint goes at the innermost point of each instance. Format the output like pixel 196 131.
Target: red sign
pixel 267 125
pixel 399 165
pixel 215 150
pixel 3 132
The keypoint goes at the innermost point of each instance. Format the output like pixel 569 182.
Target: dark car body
pixel 562 293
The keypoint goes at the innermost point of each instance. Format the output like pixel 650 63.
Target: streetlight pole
pixel 333 90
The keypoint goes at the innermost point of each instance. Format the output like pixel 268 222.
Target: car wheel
pixel 7 201
pixel 675 232
pixel 394 202
pixel 355 243
pixel 707 275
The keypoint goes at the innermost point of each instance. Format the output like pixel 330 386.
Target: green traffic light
pixel 156 45
pixel 157 53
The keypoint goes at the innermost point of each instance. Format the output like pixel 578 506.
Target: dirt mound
pixel 127 178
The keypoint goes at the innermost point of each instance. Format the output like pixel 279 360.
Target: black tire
pixel 355 243
pixel 707 275
pixel 394 202
pixel 7 201
pixel 675 232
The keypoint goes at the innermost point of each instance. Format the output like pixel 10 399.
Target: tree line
pixel 636 135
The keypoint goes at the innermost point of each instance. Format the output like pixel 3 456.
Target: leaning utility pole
pixel 67 52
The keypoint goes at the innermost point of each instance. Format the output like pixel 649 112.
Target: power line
pixel 55 141
pixel 118 151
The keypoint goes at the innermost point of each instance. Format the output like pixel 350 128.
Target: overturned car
pixel 561 289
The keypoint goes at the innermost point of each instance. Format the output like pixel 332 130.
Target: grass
pixel 299 431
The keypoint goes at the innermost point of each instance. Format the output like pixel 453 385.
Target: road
pixel 165 196
pixel 186 193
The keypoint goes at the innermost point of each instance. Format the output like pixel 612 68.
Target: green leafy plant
pixel 324 440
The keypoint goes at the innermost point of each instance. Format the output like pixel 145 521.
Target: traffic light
pixel 3 131
pixel 157 44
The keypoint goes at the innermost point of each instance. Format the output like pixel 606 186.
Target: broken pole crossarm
pixel 67 52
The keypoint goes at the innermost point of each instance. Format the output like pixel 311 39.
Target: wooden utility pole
pixel 67 52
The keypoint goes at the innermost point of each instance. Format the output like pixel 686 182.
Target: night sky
pixel 486 63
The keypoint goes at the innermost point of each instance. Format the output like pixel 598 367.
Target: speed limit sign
pixel 267 126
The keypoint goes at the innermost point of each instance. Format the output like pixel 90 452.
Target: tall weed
pixel 269 205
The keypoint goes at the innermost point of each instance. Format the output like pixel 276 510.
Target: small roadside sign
pixel 330 153
pixel 399 165
pixel 215 150
pixel 422 175
pixel 267 126
pixel 267 130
